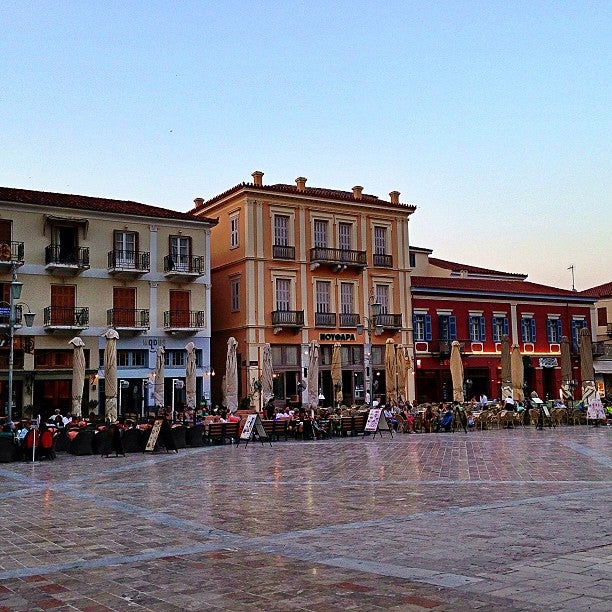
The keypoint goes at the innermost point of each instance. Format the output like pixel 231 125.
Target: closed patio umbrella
pixel 567 393
pixel 231 376
pixel 400 358
pixel 506 369
pixel 587 372
pixel 313 375
pixel 110 375
pixel 390 373
pixel 456 369
pixel 517 373
pixel 267 375
pixel 336 371
pixel 78 374
pixel 159 374
pixel 190 376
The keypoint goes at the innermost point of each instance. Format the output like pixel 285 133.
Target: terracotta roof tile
pixel 457 267
pixel 600 291
pixel 313 192
pixel 494 286
pixel 80 202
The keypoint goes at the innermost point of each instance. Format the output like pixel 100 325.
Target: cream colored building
pixel 88 264
pixel 292 264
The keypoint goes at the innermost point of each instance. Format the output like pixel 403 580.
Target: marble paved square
pixel 496 520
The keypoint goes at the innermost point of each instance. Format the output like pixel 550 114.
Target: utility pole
pixel 572 269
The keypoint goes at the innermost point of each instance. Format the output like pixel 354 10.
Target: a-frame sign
pixel 252 426
pixel 377 423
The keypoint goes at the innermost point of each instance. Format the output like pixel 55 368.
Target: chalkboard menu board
pixel 152 441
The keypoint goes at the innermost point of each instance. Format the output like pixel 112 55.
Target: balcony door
pixel 65 242
pixel 124 306
pixel 179 308
pixel 125 249
pixel 63 304
pixel 180 253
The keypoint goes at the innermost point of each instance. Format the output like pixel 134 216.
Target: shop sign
pixel 336 337
pixel 548 362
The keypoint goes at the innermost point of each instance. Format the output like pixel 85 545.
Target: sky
pixel 492 117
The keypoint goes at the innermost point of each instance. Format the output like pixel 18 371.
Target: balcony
pixel 325 319
pixel 349 319
pixel 388 321
pixel 292 319
pixel 128 264
pixel 126 319
pixel 184 267
pixel 11 254
pixel 382 260
pixel 600 349
pixel 339 259
pixel 60 318
pixel 184 321
pixel 283 252
pixel 5 315
pixel 63 260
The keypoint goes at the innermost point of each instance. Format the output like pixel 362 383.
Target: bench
pixel 220 432
pixel 352 425
pixel 277 428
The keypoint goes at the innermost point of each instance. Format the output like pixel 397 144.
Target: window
pixel 180 253
pixel 50 359
pixel 553 330
pixel 285 355
pixel 283 294
pixel 346 298
pixel 235 294
pixel 381 294
pixel 234 231
pixel 380 240
pixel 125 249
pixel 577 325
pixel 412 260
pixel 500 328
pixel 476 325
pixel 351 355
pixel 320 233
pixel 422 327
pixel 602 316
pixel 323 290
pixel 132 359
pixel 447 327
pixel 528 329
pixel 177 358
pixel 281 230
pixel 344 236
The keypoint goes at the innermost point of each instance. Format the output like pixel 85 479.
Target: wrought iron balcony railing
pixel 388 321
pixel 382 260
pixel 325 319
pixel 338 257
pixel 60 316
pixel 12 253
pixel 128 318
pixel 184 319
pixel 280 251
pixel 288 318
pixel 135 261
pixel 184 264
pixel 73 257
pixel 349 319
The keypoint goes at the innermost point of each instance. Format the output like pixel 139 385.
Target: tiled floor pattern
pixel 504 520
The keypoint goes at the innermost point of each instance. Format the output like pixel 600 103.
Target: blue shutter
pixel 559 330
pixel 575 334
pixel 533 330
pixel 483 329
pixel 428 327
pixel 549 329
pixel 452 327
pixel 505 325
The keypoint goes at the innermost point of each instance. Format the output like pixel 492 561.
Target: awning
pixel 603 366
pixel 74 221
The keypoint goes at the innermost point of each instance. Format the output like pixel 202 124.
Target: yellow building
pixel 89 264
pixel 291 264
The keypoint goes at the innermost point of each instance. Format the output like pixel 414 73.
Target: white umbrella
pixel 231 376
pixel 390 372
pixel 518 374
pixel 78 374
pixel 456 368
pixel 587 373
pixel 567 391
pixel 313 375
pixel 506 368
pixel 159 374
pixel 336 371
pixel 110 375
pixel 190 376
pixel 400 358
pixel 267 375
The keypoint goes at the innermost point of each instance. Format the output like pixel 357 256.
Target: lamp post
pixel 369 327
pixel 14 294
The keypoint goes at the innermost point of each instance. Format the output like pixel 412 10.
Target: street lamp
pixel 370 326
pixel 14 294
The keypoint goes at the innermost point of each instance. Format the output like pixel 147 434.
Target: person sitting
pixel 390 418
pixel 446 421
pixel 460 416
pixel 429 419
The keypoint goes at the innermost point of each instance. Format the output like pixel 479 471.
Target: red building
pixel 477 307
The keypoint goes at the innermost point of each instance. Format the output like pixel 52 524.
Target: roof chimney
pixel 357 189
pixel 257 178
pixel 394 195
pixel 199 202
pixel 300 181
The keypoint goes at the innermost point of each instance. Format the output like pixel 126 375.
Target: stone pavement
pixel 504 520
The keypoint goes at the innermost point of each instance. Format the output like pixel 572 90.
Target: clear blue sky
pixel 492 117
